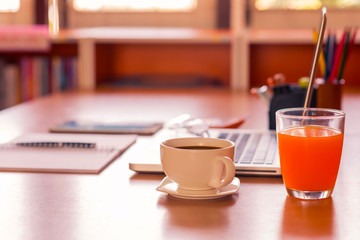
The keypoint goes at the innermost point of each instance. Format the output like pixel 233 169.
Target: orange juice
pixel 310 157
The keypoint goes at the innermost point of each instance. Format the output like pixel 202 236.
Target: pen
pixel 344 56
pixel 57 144
pixel 330 48
pixel 337 57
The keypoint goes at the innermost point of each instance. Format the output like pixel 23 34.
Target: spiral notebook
pixel 63 153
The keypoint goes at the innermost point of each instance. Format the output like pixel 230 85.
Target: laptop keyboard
pixel 255 148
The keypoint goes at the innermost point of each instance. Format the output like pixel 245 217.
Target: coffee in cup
pixel 198 163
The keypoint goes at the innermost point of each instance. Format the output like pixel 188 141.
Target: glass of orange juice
pixel 310 143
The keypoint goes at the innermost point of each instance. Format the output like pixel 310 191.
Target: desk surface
pixel 119 204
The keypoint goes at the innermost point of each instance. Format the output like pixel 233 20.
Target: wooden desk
pixel 119 204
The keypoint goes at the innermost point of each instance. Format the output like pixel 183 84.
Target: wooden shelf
pixel 100 51
pixel 280 36
pixel 145 35
pixel 241 58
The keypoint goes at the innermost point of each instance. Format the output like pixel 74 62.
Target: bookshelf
pixel 109 53
pixel 94 56
pixel 83 59
pixel 31 65
pixel 241 58
pixel 28 75
pixel 290 51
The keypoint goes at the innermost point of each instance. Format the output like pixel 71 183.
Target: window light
pixel 131 5
pixel 9 6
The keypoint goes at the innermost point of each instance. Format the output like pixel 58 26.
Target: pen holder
pixel 329 95
pixel 288 96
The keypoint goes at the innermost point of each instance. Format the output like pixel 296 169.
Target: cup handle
pixel 219 165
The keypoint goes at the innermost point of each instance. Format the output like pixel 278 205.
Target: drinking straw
pixel 344 56
pixel 338 52
pixel 321 57
pixel 316 58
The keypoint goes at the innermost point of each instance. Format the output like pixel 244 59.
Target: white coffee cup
pixel 198 163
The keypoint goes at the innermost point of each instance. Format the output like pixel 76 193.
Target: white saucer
pixel 171 188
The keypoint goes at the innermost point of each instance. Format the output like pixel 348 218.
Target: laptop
pixel 255 151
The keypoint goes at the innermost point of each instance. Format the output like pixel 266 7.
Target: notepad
pixel 33 155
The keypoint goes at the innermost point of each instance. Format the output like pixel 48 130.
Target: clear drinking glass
pixel 310 144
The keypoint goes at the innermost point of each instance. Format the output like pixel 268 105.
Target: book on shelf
pixel 35 76
pixel 12 85
pixel 9 84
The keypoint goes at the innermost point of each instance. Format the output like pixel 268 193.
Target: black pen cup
pixel 288 96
